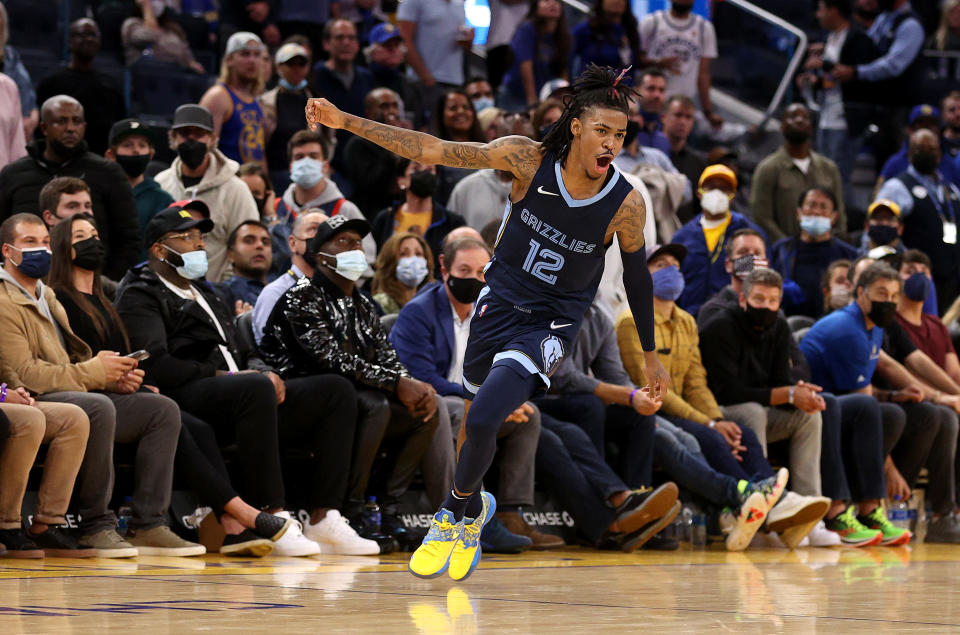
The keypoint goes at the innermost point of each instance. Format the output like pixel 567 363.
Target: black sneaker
pixel 271 527
pixel 366 527
pixel 57 542
pixel 19 544
pixel 643 506
pixel 633 541
pixel 659 542
pixel 247 543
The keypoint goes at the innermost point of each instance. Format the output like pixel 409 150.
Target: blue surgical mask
pixel 194 263
pixel 411 270
pixel 306 172
pixel 482 102
pixel 668 283
pixel 816 226
pixel 917 287
pixel 34 262
pixel 350 264
pixel 298 86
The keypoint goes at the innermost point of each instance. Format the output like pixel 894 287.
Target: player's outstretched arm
pixel 517 155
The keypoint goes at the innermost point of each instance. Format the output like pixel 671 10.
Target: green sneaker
pixel 852 532
pixel 893 536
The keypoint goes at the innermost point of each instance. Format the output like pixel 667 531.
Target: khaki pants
pixel 66 428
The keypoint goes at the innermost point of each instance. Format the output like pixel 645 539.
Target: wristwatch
pixel 790 398
pixel 712 423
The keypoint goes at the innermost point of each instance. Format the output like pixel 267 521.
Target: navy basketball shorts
pixel 501 334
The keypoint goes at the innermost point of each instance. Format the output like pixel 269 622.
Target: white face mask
pixel 715 202
pixel 350 264
pixel 839 296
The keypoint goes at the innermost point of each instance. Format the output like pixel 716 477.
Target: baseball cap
pixel 384 32
pixel 333 226
pixel 553 86
pixel 193 115
pixel 887 254
pixel 923 111
pixel 883 203
pixel 718 170
pixel 173 219
pixel 193 204
pixel 241 40
pixel 676 250
pixel 289 51
pixel 126 128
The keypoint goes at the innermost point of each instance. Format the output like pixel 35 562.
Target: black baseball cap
pixel 193 115
pixel 129 127
pixel 175 218
pixel 674 249
pixel 333 226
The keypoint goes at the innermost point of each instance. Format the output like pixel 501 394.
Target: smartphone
pixel 139 355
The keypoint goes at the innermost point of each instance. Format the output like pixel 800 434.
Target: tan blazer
pixel 31 354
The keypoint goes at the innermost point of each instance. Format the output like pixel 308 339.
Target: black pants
pixel 851 457
pixel 199 464
pixel 242 408
pixel 930 438
pixel 498 62
pixel 319 415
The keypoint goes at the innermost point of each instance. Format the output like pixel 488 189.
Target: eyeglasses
pixel 193 237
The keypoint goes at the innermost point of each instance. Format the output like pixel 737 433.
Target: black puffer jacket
pixel 113 204
pixel 182 339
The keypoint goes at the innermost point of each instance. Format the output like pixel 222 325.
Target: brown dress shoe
pixel 515 523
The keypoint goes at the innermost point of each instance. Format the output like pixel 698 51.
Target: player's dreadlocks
pixel 596 86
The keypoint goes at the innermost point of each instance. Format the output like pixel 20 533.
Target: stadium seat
pixel 244 323
pixel 798 322
pixel 388 321
pixel 39 62
pixel 158 88
pixel 799 334
pixel 35 24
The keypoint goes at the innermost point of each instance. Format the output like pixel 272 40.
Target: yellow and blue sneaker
pixel 466 553
pixel 433 556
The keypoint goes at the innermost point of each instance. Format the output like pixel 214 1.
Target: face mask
pixel 411 270
pixel 133 165
pixel 882 313
pixel 882 234
pixel 925 162
pixel 715 202
pixel 194 263
pixel 350 264
pixel 668 283
pixel 917 287
pixel 90 254
pixel 761 318
pixel 192 152
pixel 260 203
pixel 839 296
pixel 745 264
pixel 298 86
pixel 816 226
pixel 633 129
pixel 35 262
pixel 423 184
pixel 465 290
pixel 681 9
pixel 306 172
pixel 482 102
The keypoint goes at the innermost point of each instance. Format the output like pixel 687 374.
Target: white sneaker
pixel 293 542
pixel 336 535
pixel 820 536
pixel 794 516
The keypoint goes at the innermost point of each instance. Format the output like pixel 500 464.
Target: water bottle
pixel 124 516
pixel 898 514
pixel 373 513
pixel 698 535
pixel 686 524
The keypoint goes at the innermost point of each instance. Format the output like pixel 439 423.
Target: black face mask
pixel 192 152
pixel 465 290
pixel 61 150
pixel 925 162
pixel 681 9
pixel 882 313
pixel 423 184
pixel 134 165
pixel 761 319
pixel 633 129
pixel 90 254
pixel 882 234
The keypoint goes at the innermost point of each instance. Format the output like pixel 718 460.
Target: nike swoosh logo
pixel 554 325
pixel 540 190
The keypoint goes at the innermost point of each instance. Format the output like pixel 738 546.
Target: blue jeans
pixel 851 458
pixel 678 454
pixel 716 450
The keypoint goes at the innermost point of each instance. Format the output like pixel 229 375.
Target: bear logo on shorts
pixel 552 349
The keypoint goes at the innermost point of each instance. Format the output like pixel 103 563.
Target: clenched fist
pixel 322 112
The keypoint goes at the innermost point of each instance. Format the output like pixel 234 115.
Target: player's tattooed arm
pixel 517 155
pixel 628 223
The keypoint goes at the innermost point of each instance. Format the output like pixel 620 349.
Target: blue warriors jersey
pixel 549 254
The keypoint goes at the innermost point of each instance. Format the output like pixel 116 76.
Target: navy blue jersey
pixel 549 254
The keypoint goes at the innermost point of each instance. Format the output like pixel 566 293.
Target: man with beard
pixel 792 169
pixel 250 254
pixel 98 93
pixel 237 115
pixel 64 153
pixel 683 45
pixel 950 112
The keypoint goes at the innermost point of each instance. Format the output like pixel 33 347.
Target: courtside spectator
pixel 883 227
pixel 339 78
pixel 13 144
pixel 63 197
pixel 608 37
pixel 385 57
pixel 480 93
pixel 541 52
pixel 14 69
pixel 132 146
pixel 915 261
pixel 677 124
pixel 261 188
pixel 250 256
pixel 926 331
pixel 922 117
pixel 283 106
pixel 482 196
pixel 204 173
pixel 652 93
pixel 836 286
pixel 259 16
pixel 455 120
pixel 404 266
pixel 157 35
pixel 950 112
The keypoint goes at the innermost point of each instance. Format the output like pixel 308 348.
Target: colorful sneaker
pixel 892 536
pixel 432 557
pixel 467 550
pixel 851 531
pixel 741 529
pixel 772 488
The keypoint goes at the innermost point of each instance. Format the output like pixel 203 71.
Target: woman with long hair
pixel 12 66
pixel 608 38
pixel 404 266
pixel 457 122
pixel 946 38
pixel 541 52
pixel 75 277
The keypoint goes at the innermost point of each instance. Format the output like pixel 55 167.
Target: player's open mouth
pixel 604 162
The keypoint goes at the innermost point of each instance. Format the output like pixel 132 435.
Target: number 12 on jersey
pixel 541 262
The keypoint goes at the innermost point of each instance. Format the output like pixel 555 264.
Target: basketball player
pixel 567 203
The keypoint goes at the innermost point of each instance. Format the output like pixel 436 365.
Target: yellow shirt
pixel 714 234
pixel 416 222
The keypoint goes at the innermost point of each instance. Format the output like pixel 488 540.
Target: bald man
pixel 930 208
pixel 63 152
